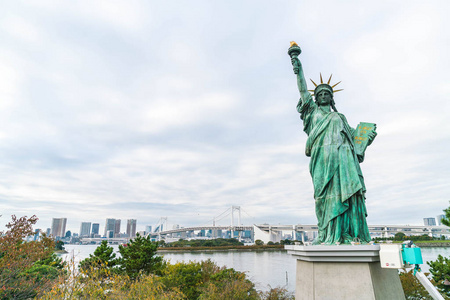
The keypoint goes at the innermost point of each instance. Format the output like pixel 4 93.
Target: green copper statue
pixel 336 150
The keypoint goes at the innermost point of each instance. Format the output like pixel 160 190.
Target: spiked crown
pixel 324 86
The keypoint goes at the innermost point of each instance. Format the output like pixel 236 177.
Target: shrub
pixel 278 293
pixel 59 245
pixel 206 280
pixel 412 288
pixel 151 287
pixel 228 284
pixel 187 277
pixel 90 282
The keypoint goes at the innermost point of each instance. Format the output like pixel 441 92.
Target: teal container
pixel 412 256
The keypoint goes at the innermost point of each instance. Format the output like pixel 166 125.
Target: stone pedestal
pixel 343 272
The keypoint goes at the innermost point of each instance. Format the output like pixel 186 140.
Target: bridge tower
pixel 233 208
pixel 161 225
pixel 238 209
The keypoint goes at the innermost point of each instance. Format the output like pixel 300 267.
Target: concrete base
pixel 343 272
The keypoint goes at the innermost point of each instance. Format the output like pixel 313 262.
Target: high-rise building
pixel 109 226
pixel 429 221
pixel 148 229
pixel 439 219
pixel 85 229
pixel 58 227
pixel 117 227
pixel 95 228
pixel 112 225
pixel 131 228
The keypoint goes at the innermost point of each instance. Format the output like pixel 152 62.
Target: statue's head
pixel 324 90
pixel 323 95
pixel 321 89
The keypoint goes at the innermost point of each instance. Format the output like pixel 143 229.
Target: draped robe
pixel 338 181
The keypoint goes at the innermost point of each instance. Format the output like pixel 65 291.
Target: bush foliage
pixel 412 288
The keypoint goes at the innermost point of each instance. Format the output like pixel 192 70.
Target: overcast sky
pixel 180 109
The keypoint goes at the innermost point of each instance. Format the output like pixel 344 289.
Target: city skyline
pixel 142 110
pixel 131 226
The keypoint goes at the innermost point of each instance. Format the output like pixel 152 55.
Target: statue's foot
pixel 316 241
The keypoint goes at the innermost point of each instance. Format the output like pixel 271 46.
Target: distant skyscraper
pixel 95 228
pixel 85 229
pixel 109 226
pixel 58 227
pixel 429 221
pixel 48 231
pixel 439 219
pixel 117 227
pixel 131 228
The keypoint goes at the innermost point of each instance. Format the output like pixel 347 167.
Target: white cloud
pixel 21 28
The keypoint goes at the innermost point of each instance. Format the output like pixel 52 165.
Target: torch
pixel 294 51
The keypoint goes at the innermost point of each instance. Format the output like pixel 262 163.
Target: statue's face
pixel 324 98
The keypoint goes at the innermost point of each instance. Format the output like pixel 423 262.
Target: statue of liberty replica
pixel 336 150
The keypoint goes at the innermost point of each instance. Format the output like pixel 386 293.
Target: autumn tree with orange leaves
pixel 26 268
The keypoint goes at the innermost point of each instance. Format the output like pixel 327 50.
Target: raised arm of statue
pixel 305 97
pixel 301 82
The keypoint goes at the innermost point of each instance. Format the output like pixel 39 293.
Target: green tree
pixel 104 257
pixel 59 245
pixel 259 242
pixel 446 219
pixel 399 236
pixel 440 271
pixel 139 256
